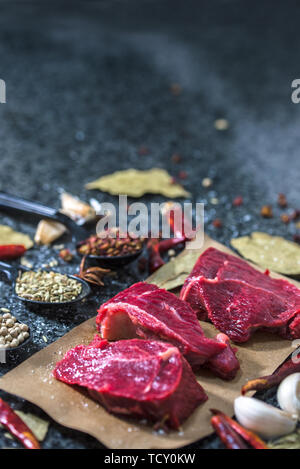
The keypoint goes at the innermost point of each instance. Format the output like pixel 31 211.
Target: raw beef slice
pixel 146 311
pixel 239 299
pixel 138 378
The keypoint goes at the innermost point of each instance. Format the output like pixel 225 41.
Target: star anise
pixel 91 274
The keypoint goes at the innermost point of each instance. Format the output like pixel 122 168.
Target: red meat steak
pixel 138 378
pixel 149 312
pixel 239 299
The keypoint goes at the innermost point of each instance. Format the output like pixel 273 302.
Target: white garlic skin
pixel 288 394
pixel 262 418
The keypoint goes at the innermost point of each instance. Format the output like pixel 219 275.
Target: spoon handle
pixel 22 205
pixel 12 202
pixel 9 271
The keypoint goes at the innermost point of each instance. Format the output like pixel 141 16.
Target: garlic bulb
pixel 262 418
pixel 288 394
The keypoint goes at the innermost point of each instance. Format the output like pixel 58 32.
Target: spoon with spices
pixel 45 289
pixel 111 252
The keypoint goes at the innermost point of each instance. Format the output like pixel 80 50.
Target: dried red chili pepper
pixel 267 382
pixel 250 437
pixel 155 260
pixel 226 434
pixel 167 244
pixel 15 425
pixel 11 251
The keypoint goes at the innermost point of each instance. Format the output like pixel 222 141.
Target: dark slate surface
pixel 88 84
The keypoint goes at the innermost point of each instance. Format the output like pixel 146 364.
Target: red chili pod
pixel 267 382
pixel 15 425
pixel 11 251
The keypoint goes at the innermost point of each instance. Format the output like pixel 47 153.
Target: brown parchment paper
pixel 32 380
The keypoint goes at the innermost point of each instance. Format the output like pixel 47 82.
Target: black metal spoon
pixel 11 273
pixel 14 203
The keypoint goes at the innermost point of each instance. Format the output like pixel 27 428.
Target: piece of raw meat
pixel 238 299
pixel 146 311
pixel 135 378
pixel 225 364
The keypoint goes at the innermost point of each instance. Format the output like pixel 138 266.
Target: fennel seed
pixel 50 287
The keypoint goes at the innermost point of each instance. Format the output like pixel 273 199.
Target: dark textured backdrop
pixel 88 84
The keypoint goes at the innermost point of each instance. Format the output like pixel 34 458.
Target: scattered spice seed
pixel 282 202
pixel 207 182
pixel 66 255
pixel 176 158
pixel 238 201
pixel 266 211
pixel 285 218
pixel 221 124
pixel 26 263
pixel 175 89
pixel 182 175
pixel 142 151
pixel 214 200
pixel 50 287
pixel 217 223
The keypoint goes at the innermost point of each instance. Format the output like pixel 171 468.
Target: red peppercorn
pixel 182 175
pixel 176 158
pixel 238 201
pixel 217 223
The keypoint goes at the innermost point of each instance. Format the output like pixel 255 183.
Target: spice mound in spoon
pixel 47 287
pixel 113 244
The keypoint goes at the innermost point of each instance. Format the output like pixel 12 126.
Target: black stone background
pixel 89 83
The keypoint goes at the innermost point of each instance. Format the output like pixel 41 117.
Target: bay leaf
pixel 270 252
pixel 174 273
pixel 9 236
pixel 135 183
pixel 291 441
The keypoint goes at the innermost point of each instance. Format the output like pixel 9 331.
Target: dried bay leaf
pixel 173 274
pixel 9 236
pixel 271 252
pixel 135 183
pixel 291 441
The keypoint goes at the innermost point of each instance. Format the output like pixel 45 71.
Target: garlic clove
pixel 262 418
pixel 76 209
pixel 288 394
pixel 48 231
